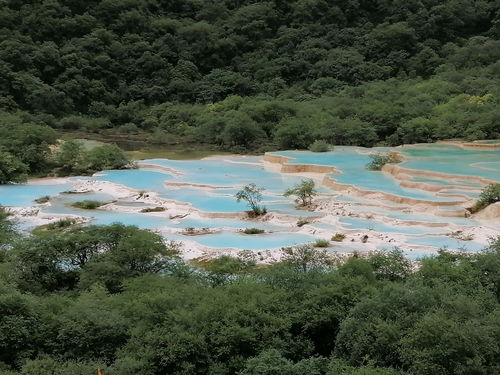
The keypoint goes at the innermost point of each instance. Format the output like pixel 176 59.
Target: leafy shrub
pixel 489 195
pixel 253 231
pixel 43 199
pixel 190 231
pixel 322 243
pixel 338 237
pixel 153 209
pixel 88 204
pixel 259 211
pixel 12 169
pixel 319 145
pixel 380 159
pixel 302 222
pixel 57 225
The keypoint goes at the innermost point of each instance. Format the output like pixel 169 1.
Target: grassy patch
pixel 322 243
pixel 89 144
pixel 88 204
pixel 190 231
pixel 43 199
pixel 153 209
pixel 489 195
pixel 253 231
pixel 259 211
pixel 338 237
pixel 179 154
pixel 380 159
pixel 57 225
pixel 302 222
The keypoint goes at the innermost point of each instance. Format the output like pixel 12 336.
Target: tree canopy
pixel 254 74
pixel 79 298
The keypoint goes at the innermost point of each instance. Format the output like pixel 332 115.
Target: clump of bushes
pixel 153 209
pixel 57 225
pixel 88 204
pixel 322 243
pixel 302 222
pixel 380 159
pixel 338 237
pixel 256 212
pixel 489 195
pixel 461 236
pixel 253 231
pixel 43 199
pixel 72 158
pixel 190 231
pixel 320 145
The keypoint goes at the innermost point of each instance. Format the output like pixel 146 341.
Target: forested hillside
pixel 255 75
pixel 68 307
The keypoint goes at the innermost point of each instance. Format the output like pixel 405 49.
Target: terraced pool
pixel 203 189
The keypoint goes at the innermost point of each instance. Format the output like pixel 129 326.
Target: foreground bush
pixel 118 298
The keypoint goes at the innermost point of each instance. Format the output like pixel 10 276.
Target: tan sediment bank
pixel 200 186
pixel 401 173
pixel 276 158
pixel 472 145
pixel 434 188
pixel 492 212
pixel 298 168
pixel 334 185
pixel 307 168
pixel 160 167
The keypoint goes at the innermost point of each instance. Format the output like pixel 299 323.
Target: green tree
pixel 70 156
pixel 7 228
pixel 253 196
pixel 393 265
pixel 226 269
pixel 378 160
pixel 12 169
pixel 304 191
pixel 105 157
pixel 319 145
pixel 19 325
pixel 306 258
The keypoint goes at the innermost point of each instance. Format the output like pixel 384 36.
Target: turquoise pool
pixel 352 165
pixel 214 182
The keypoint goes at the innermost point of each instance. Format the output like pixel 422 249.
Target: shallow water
pixel 247 241
pixel 445 242
pixel 379 226
pixel 24 195
pixel 352 165
pixel 225 175
pixel 453 160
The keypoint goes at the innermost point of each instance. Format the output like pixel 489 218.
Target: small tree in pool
pixel 253 196
pixel 380 159
pixel 304 191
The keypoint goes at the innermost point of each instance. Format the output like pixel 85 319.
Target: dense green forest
pixel 73 299
pixel 254 75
